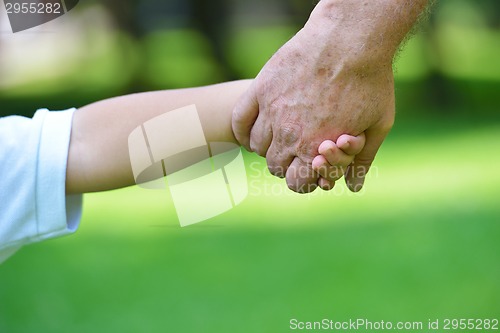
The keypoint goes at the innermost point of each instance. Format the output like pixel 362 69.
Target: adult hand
pixel 334 77
pixel 303 97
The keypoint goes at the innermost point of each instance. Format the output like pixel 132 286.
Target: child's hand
pixel 334 158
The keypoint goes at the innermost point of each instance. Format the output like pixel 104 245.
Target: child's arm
pixel 335 158
pixel 98 153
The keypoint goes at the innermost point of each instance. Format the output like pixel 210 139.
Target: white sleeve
pixel 33 201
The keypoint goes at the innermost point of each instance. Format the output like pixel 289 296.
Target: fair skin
pixel 99 158
pixel 335 76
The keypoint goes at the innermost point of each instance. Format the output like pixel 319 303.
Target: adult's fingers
pixel 326 184
pixel 282 149
pixel 261 136
pixel 278 160
pixel 245 114
pixel 300 177
pixel 356 172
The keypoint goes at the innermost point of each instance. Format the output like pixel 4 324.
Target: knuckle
pixel 302 182
pixel 290 134
pixel 277 170
pixel 257 148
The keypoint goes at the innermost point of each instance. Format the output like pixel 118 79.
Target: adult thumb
pixel 357 171
pixel 245 114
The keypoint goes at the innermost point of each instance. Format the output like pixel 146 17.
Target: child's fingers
pixel 334 155
pixel 319 164
pixel 351 145
pixel 327 171
pixel 335 158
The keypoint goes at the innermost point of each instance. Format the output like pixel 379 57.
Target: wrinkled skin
pixel 304 96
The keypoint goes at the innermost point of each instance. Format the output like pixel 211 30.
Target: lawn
pixel 421 242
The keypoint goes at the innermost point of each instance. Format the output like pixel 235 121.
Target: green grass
pixel 421 242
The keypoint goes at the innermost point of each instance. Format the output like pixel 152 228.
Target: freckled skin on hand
pixel 334 77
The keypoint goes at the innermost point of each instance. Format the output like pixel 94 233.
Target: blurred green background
pixel 422 241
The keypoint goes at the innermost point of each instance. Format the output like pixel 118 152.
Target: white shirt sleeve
pixel 33 201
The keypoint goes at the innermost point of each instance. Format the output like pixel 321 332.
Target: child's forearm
pixel 98 154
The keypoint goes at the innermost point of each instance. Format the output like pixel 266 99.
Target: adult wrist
pixel 363 33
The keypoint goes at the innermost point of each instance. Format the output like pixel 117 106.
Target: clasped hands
pixel 317 113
